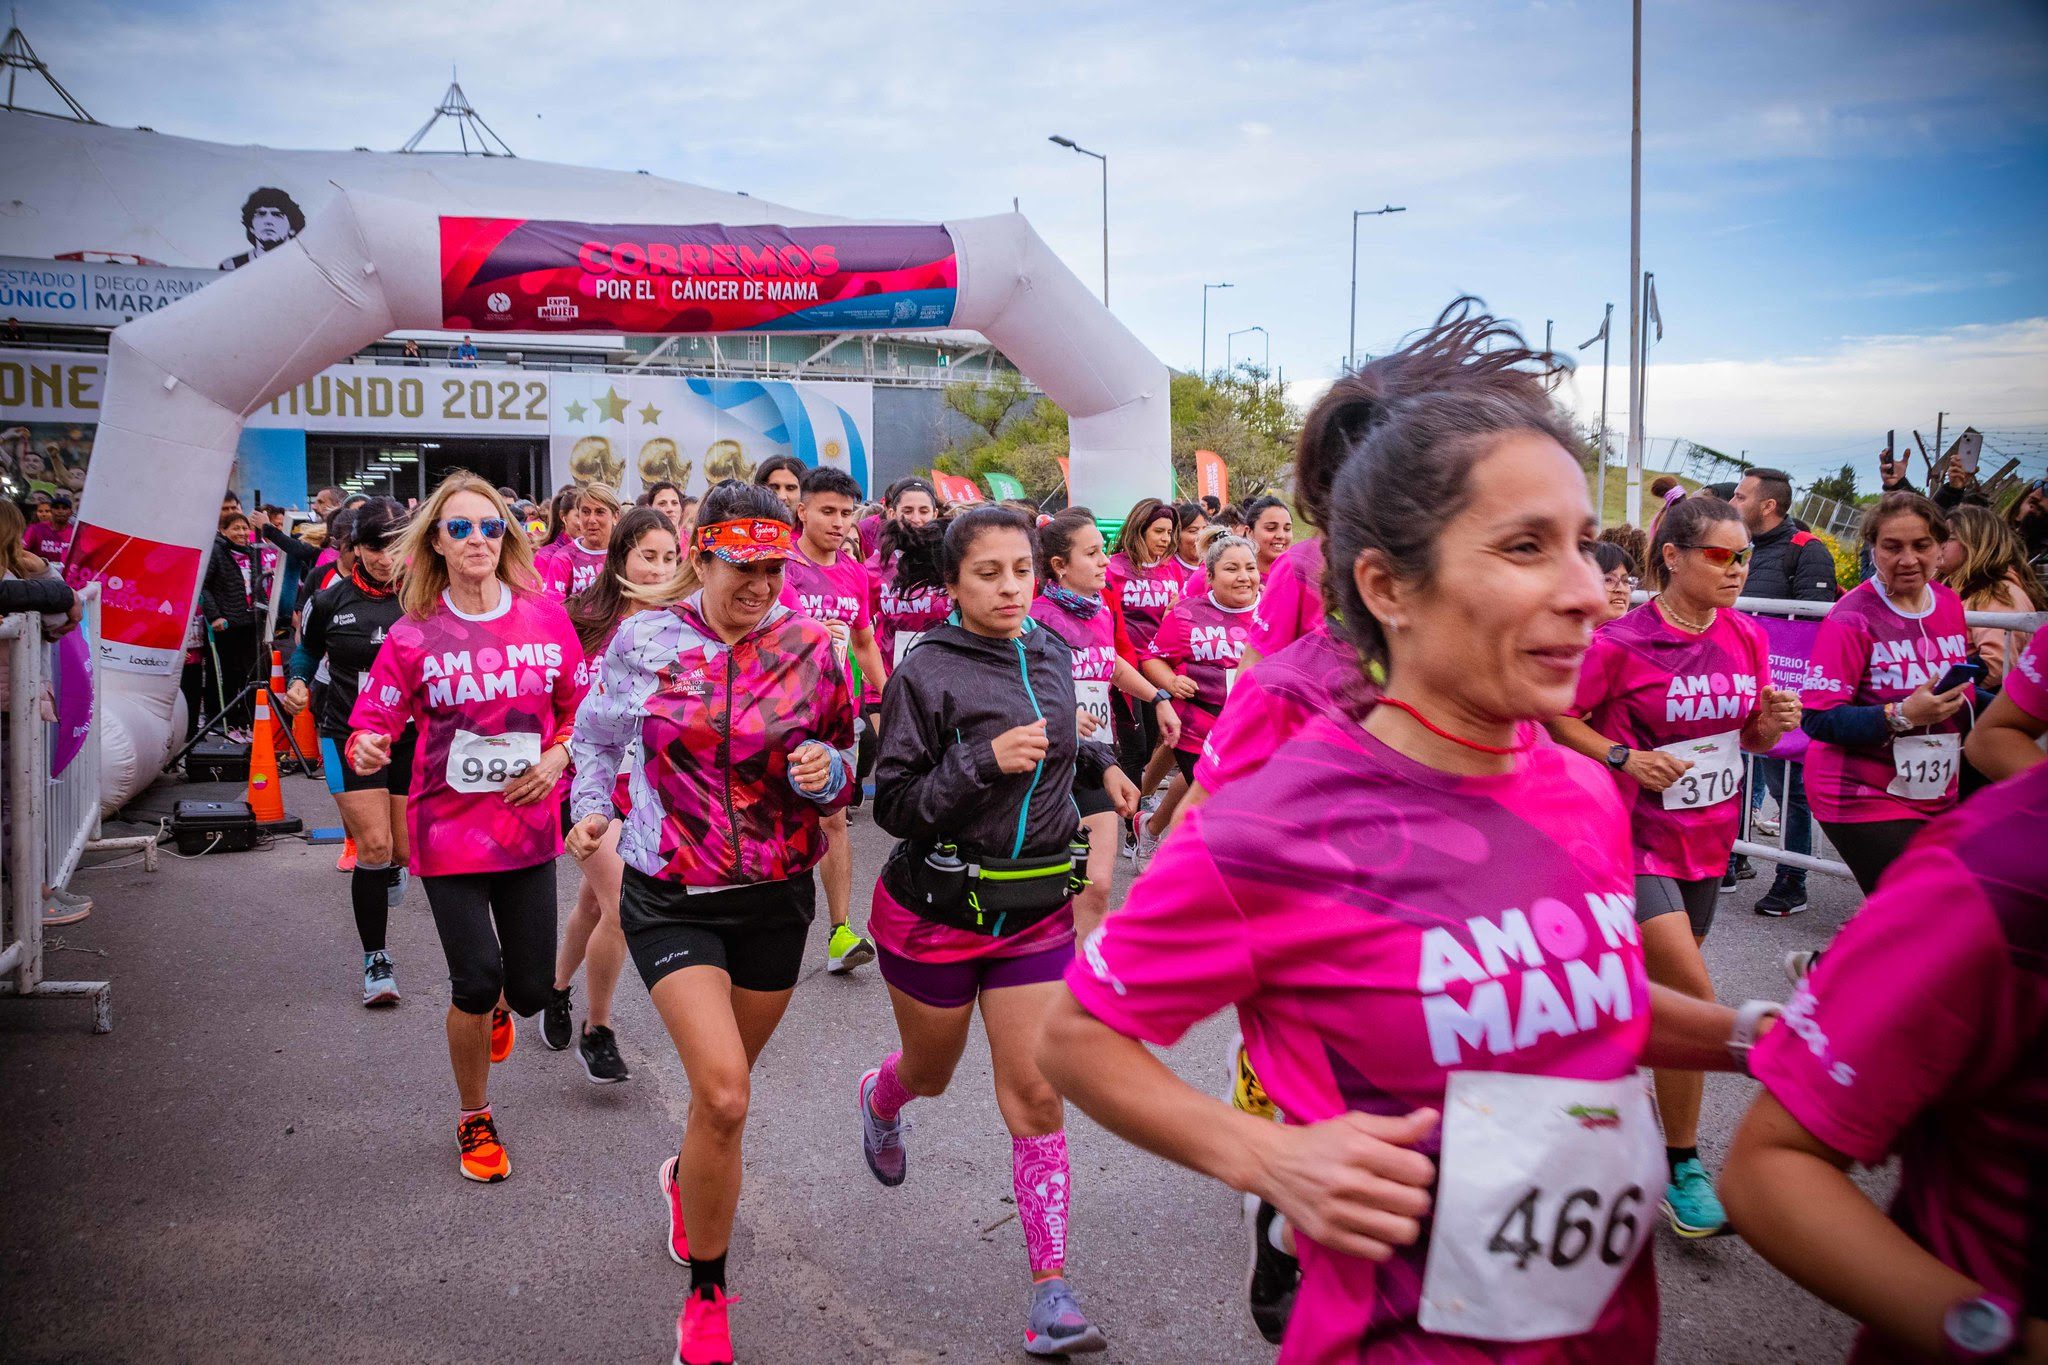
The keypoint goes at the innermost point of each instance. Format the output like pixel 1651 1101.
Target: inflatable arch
pixel 180 382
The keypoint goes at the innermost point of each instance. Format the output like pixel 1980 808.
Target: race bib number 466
pixel 1548 1191
pixel 485 763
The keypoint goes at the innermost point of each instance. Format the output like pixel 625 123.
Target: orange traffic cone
pixel 308 739
pixel 266 795
pixel 277 689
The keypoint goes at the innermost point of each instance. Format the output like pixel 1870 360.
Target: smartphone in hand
pixel 1968 671
pixel 1884 461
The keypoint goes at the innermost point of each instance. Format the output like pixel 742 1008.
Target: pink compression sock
pixel 889 1096
pixel 1038 1171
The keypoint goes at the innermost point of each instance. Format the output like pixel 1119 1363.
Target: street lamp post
pixel 1268 364
pixel 1074 146
pixel 1205 325
pixel 1351 350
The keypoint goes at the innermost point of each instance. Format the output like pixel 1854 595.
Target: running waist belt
pixel 986 895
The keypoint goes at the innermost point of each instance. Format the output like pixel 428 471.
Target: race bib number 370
pixel 1548 1192
pixel 485 763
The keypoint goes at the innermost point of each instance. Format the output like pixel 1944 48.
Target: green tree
pixel 1840 486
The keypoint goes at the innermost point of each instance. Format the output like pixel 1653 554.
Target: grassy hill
pixel 1617 492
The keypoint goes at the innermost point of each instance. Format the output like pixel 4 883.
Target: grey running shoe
pixel 1057 1327
pixel 396 895
pixel 881 1142
pixel 380 982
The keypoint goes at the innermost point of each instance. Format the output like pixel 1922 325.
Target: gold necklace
pixel 1696 627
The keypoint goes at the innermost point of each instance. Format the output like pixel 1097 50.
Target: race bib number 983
pixel 1548 1191
pixel 485 763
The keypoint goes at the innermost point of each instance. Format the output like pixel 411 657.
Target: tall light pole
pixel 1351 348
pixel 1268 365
pixel 1633 507
pixel 1074 146
pixel 1205 325
pixel 1606 346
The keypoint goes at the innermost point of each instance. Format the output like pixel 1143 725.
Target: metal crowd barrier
pixel 50 824
pixel 2024 622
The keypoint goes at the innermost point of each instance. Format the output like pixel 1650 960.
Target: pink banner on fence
pixel 74 700
pixel 1791 649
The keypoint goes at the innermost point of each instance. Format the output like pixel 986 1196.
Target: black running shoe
pixel 557 1025
pixel 600 1054
pixel 1275 1274
pixel 1787 896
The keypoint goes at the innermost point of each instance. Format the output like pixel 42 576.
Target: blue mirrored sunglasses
pixel 459 528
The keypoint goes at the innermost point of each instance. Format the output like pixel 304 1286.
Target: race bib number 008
pixel 1924 766
pixel 485 763
pixel 1548 1192
pixel 1715 775
pixel 1094 699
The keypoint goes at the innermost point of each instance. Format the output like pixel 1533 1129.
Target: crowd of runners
pixel 1431 784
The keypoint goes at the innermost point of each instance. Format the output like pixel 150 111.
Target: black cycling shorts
pixel 394 777
pixel 754 934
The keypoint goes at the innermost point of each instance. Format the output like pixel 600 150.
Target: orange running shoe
pixel 501 1034
pixel 483 1156
pixel 703 1336
pixel 347 861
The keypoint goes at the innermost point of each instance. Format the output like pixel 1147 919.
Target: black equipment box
pixel 213 827
pixel 217 760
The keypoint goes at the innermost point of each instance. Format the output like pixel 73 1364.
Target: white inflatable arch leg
pixel 180 382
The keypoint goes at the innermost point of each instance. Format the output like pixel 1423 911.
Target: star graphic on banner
pixel 650 414
pixel 611 407
pixel 574 412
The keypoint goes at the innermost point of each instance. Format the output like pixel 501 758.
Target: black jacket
pixel 222 595
pixel 1780 568
pixel 936 778
pixel 346 626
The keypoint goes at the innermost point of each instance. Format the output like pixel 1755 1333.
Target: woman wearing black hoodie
pixel 975 903
pixel 234 597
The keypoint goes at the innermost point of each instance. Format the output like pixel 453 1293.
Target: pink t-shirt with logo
pixel 1145 595
pixel 516 670
pixel 1290 598
pixel 1202 639
pixel 1323 896
pixel 1923 1031
pixel 830 592
pixel 1866 654
pixel 1271 704
pixel 1093 640
pixel 897 611
pixel 2026 682
pixel 568 568
pixel 49 540
pixel 1647 684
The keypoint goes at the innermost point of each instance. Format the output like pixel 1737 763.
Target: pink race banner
pixel 1791 643
pixel 541 275
pixel 143 585
pixel 74 700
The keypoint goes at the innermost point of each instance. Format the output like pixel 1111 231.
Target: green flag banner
pixel 1003 486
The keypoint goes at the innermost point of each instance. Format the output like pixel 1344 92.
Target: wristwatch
pixel 1161 695
pixel 1895 717
pixel 1617 756
pixel 1984 1328
pixel 1748 1028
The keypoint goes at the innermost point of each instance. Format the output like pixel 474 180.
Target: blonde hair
pixel 601 494
pixel 15 557
pixel 1992 556
pixel 424 576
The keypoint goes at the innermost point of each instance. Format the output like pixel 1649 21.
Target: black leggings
pixel 516 960
pixel 1871 847
pixel 1137 735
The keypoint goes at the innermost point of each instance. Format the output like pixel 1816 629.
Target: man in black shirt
pixel 1786 562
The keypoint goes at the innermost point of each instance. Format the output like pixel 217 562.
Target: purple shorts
pixel 949 985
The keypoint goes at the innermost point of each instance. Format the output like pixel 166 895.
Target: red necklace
pixel 1441 733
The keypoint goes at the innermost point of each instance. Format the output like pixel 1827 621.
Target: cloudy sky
pixel 1843 201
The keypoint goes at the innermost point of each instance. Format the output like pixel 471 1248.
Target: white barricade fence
pixel 51 821
pixel 1789 625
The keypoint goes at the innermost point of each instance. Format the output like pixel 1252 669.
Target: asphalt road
pixel 252 1167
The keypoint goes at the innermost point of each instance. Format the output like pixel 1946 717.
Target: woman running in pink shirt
pixel 1423 911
